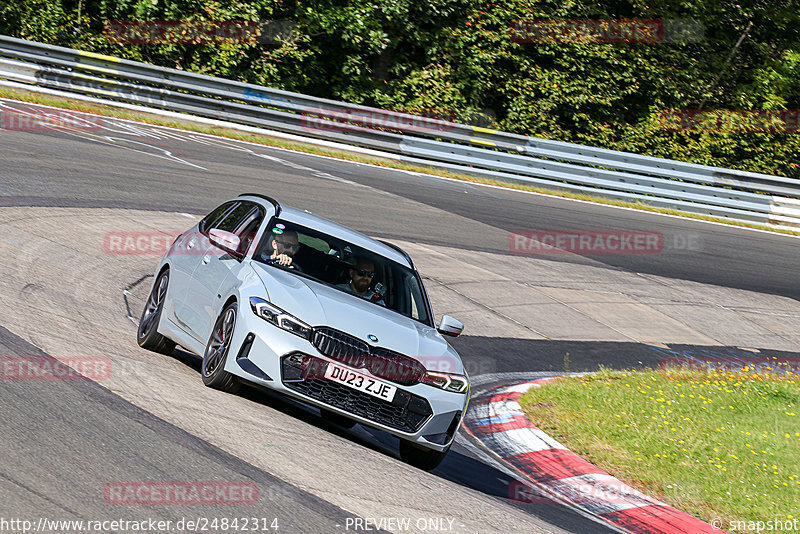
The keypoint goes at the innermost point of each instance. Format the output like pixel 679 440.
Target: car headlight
pixel 446 381
pixel 278 317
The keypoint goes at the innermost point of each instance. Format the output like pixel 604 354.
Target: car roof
pixel 308 219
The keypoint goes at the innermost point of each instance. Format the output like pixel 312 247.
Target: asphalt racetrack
pixel 710 291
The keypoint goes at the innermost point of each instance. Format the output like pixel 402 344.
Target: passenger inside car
pixel 361 281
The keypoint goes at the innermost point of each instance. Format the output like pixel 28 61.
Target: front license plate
pixel 360 382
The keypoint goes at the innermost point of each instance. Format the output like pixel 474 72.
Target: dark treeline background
pixel 456 58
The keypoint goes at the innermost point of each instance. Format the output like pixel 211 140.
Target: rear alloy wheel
pixel 219 344
pixel 336 419
pixel 147 335
pixel 425 459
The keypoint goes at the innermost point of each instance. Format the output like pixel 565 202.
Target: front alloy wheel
pixel 219 344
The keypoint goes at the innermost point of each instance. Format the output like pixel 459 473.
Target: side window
pixel 239 217
pixel 250 223
pixel 248 228
pixel 414 308
pixel 234 218
pixel 215 216
pixel 243 220
pixel 417 300
pixel 314 242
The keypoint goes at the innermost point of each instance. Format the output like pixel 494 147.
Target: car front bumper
pixel 269 356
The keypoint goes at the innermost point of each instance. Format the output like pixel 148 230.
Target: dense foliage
pixel 456 58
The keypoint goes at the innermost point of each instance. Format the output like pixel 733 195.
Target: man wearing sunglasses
pixel 361 277
pixel 284 246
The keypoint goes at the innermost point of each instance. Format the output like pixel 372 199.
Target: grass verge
pixel 189 125
pixel 715 444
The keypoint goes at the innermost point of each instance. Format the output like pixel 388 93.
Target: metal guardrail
pixel 421 140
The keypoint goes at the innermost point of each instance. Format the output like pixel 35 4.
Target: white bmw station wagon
pixel 283 299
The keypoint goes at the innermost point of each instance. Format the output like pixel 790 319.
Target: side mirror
pixel 227 241
pixel 450 326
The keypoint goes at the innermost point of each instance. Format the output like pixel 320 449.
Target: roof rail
pixel 400 250
pixel 265 197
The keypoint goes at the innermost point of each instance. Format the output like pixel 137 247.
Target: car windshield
pixel 344 266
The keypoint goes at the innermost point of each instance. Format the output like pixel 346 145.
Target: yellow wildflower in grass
pixel 707 456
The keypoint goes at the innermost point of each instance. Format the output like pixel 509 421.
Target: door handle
pixel 206 259
pixel 191 244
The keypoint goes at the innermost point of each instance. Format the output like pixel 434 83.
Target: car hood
pixel 320 305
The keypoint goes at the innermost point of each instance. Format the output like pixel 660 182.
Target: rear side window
pixel 241 218
pixel 233 219
pixel 248 227
pixel 212 219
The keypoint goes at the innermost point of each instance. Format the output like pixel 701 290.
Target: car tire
pixel 216 353
pixel 425 459
pixel 147 334
pixel 336 419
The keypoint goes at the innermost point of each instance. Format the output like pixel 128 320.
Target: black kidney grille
pixel 341 347
pixel 407 412
pixel 381 362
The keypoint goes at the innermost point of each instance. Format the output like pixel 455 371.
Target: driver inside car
pixel 360 283
pixel 284 246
